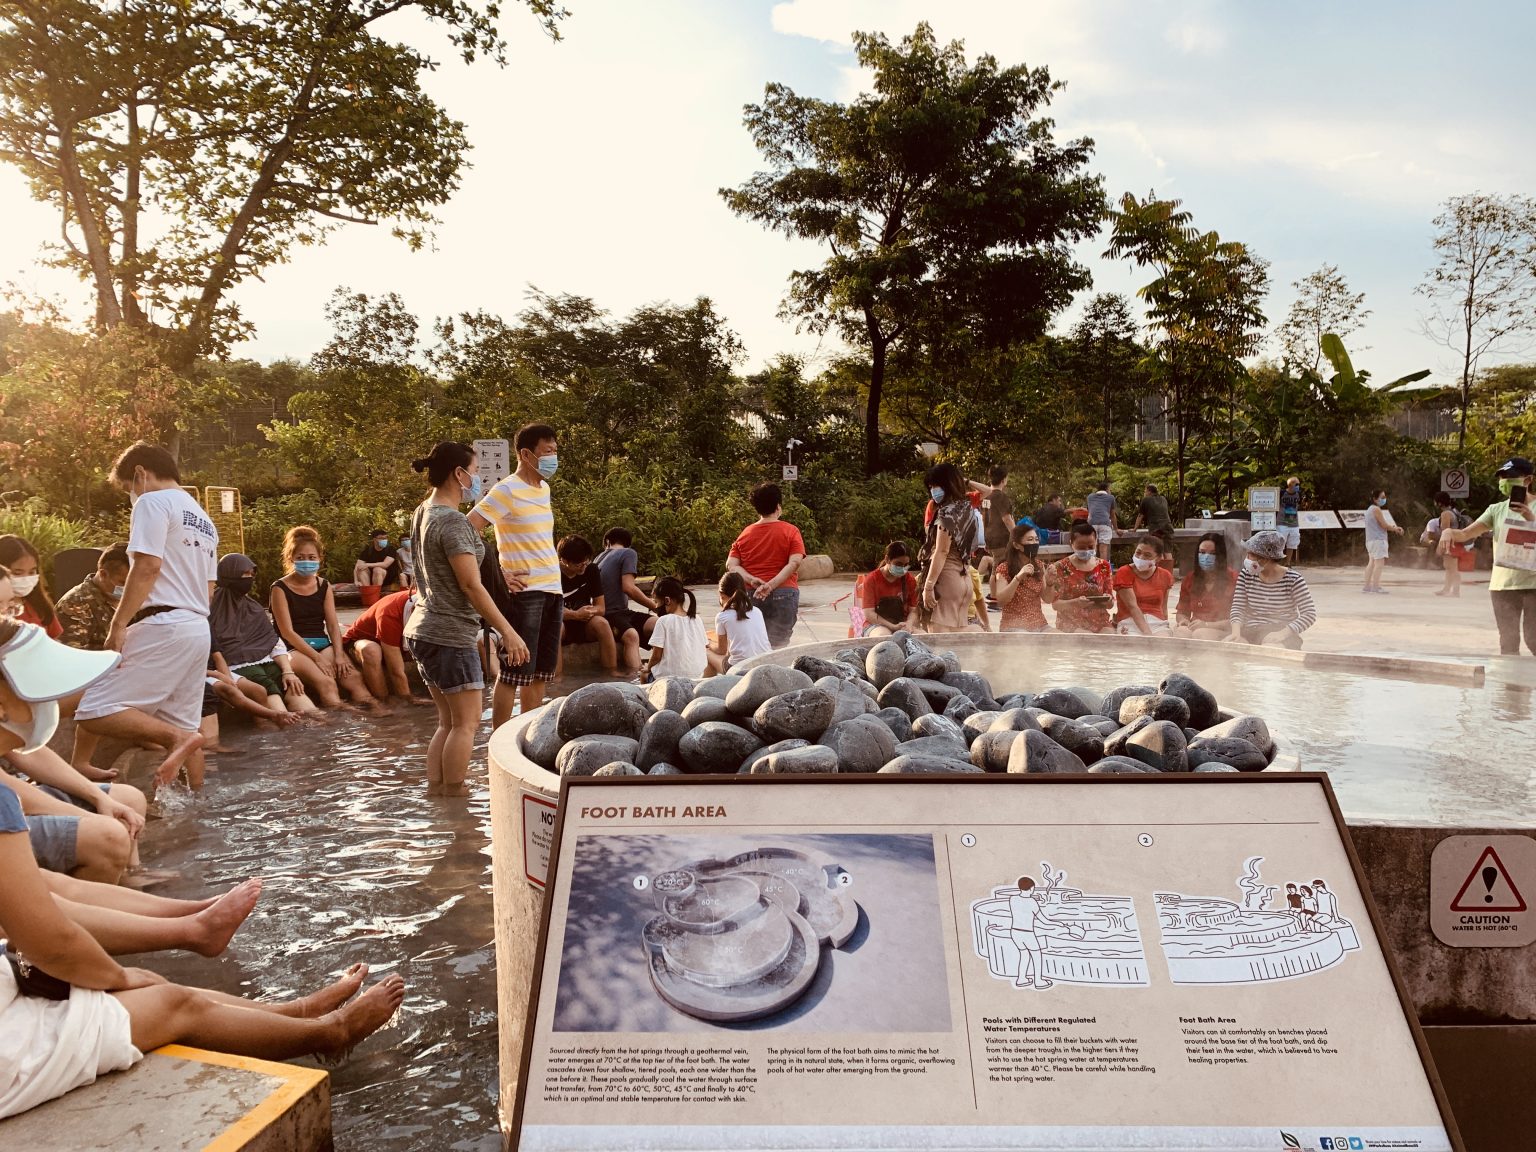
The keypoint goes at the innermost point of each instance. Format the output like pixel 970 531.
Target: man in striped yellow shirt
pixel 519 509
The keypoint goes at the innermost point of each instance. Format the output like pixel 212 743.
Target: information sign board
pixel 1263 499
pixel 979 962
pixel 1481 891
pixel 493 460
pixel 1261 521
pixel 1352 517
pixel 1317 518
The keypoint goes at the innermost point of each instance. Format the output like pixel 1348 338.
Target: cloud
pixel 1196 39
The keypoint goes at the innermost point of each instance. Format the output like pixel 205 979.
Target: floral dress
pixel 1072 613
pixel 1023 613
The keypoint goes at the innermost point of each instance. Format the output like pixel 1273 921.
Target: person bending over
pixel 888 595
pixel 375 642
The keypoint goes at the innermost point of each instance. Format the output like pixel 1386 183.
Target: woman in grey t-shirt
pixel 451 602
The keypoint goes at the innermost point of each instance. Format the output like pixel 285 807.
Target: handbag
pixel 33 981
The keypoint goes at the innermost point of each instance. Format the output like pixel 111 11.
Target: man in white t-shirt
pixel 155 695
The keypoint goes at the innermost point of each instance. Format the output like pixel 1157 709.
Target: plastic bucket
pixel 369 594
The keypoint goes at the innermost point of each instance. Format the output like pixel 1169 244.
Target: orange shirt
pixel 1151 593
pixel 765 547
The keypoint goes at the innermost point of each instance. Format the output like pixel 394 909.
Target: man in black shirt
pixel 1051 513
pixel 1152 514
pixel 582 585
pixel 378 562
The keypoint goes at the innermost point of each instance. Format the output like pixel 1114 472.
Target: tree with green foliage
pixel 1323 304
pixel 1104 364
pixel 942 195
pixel 1205 306
pixel 189 145
pixel 1481 290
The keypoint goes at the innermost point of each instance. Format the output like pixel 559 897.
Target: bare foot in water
pixel 329 998
pixel 217 923
pixel 172 764
pixel 363 1016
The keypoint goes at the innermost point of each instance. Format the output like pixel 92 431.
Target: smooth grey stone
pixel 924 666
pixel 1094 700
pixel 977 723
pixel 618 768
pixel 950 746
pixel 927 766
pixel 1037 753
pixel 990 750
pixel 597 709
pixel 763 683
pixel 704 709
pixel 1061 702
pixel 959 708
pixel 716 747
pixel 1159 707
pixel 670 693
pixel 586 754
pixel 934 724
pixel 1203 709
pixel 1214 766
pixel 1106 728
pixel 799 715
pixel 885 662
pixel 862 744
pixel 1015 720
pixel 1160 744
pixel 1114 743
pixel 1230 750
pixel 951 663
pixel 1113 699
pixel 1082 740
pixel 854 656
pixel 1190 733
pixel 1249 728
pixel 1120 766
pixel 660 736
pixel 904 694
pixel 974 685
pixel 848 699
pixel 904 640
pixel 665 770
pixel 897 721
pixel 639 693
pixel 813 758
pixel 769 750
pixel 939 694
pixel 1014 700
pixel 1096 718
pixel 541 739
pixel 815 667
pixel 717 686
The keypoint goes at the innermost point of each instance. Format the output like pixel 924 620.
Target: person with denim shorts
pixel 444 631
pixel 768 555
pixel 519 509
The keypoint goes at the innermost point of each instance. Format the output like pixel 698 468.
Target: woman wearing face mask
pixel 304 609
pixel 888 595
pixel 244 636
pixel 1272 604
pixel 26 581
pixel 952 536
pixel 1511 590
pixel 1141 590
pixel 1378 524
pixel 1205 596
pixel 451 601
pixel 1080 586
pixel 1017 582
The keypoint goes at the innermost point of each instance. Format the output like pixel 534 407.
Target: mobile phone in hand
pixel 1518 494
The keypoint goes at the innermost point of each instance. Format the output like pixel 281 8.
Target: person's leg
pixel 464 721
pixel 346 679
pixel 368 657
pixel 137 727
pixel 103 849
pixel 359 573
pixel 172 1013
pixel 394 671
pixel 598 629
pixel 1506 617
pixel 121 929
pixel 439 738
pixel 320 685
pixel 503 702
pixel 1528 603
pixel 543 640
pixel 85 748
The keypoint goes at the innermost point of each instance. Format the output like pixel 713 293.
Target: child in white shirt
pixel 678 644
pixel 740 632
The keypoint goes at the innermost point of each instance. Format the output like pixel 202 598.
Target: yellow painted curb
pixel 297 1083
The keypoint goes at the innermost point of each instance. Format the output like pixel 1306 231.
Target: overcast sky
pixel 1314 133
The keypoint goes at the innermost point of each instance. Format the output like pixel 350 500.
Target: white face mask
pixel 1251 565
pixel 39 730
pixel 1143 564
pixel 24 585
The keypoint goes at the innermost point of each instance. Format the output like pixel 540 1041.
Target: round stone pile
pixel 896 707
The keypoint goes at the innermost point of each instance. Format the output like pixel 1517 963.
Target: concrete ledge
pixel 1487 1077
pixel 179 1099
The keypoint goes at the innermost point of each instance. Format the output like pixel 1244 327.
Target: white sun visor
pixel 39 668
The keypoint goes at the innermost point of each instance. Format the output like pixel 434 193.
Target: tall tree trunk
pixel 872 411
pixel 108 314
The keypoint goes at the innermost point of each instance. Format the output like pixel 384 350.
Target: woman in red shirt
pixel 888 595
pixel 1080 586
pixel 21 559
pixel 1141 589
pixel 1017 583
pixel 1205 597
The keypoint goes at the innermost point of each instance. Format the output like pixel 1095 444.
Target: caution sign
pixel 1479 888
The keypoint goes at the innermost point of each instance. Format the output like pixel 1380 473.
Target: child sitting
pixel 740 632
pixel 678 644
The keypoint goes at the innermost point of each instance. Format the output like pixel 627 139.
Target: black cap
pixel 1515 466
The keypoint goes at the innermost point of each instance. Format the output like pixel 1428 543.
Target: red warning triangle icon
pixel 1488 887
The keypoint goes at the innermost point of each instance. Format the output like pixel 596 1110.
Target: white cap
pixel 40 668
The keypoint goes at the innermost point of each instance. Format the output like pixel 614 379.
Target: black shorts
pixel 621 620
pixel 578 632
pixel 537 617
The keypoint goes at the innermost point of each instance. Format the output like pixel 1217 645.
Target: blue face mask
pixel 897 570
pixel 306 567
pixel 381 542
pixel 937 494
pixel 472 493
pixel 1084 554
pixel 1207 560
pixel 1382 502
pixel 547 465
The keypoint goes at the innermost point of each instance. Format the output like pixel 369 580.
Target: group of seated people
pixel 1262 602
pixel 69 1011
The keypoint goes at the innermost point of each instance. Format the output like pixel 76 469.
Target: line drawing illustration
pixel 1034 934
pixel 1269 935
